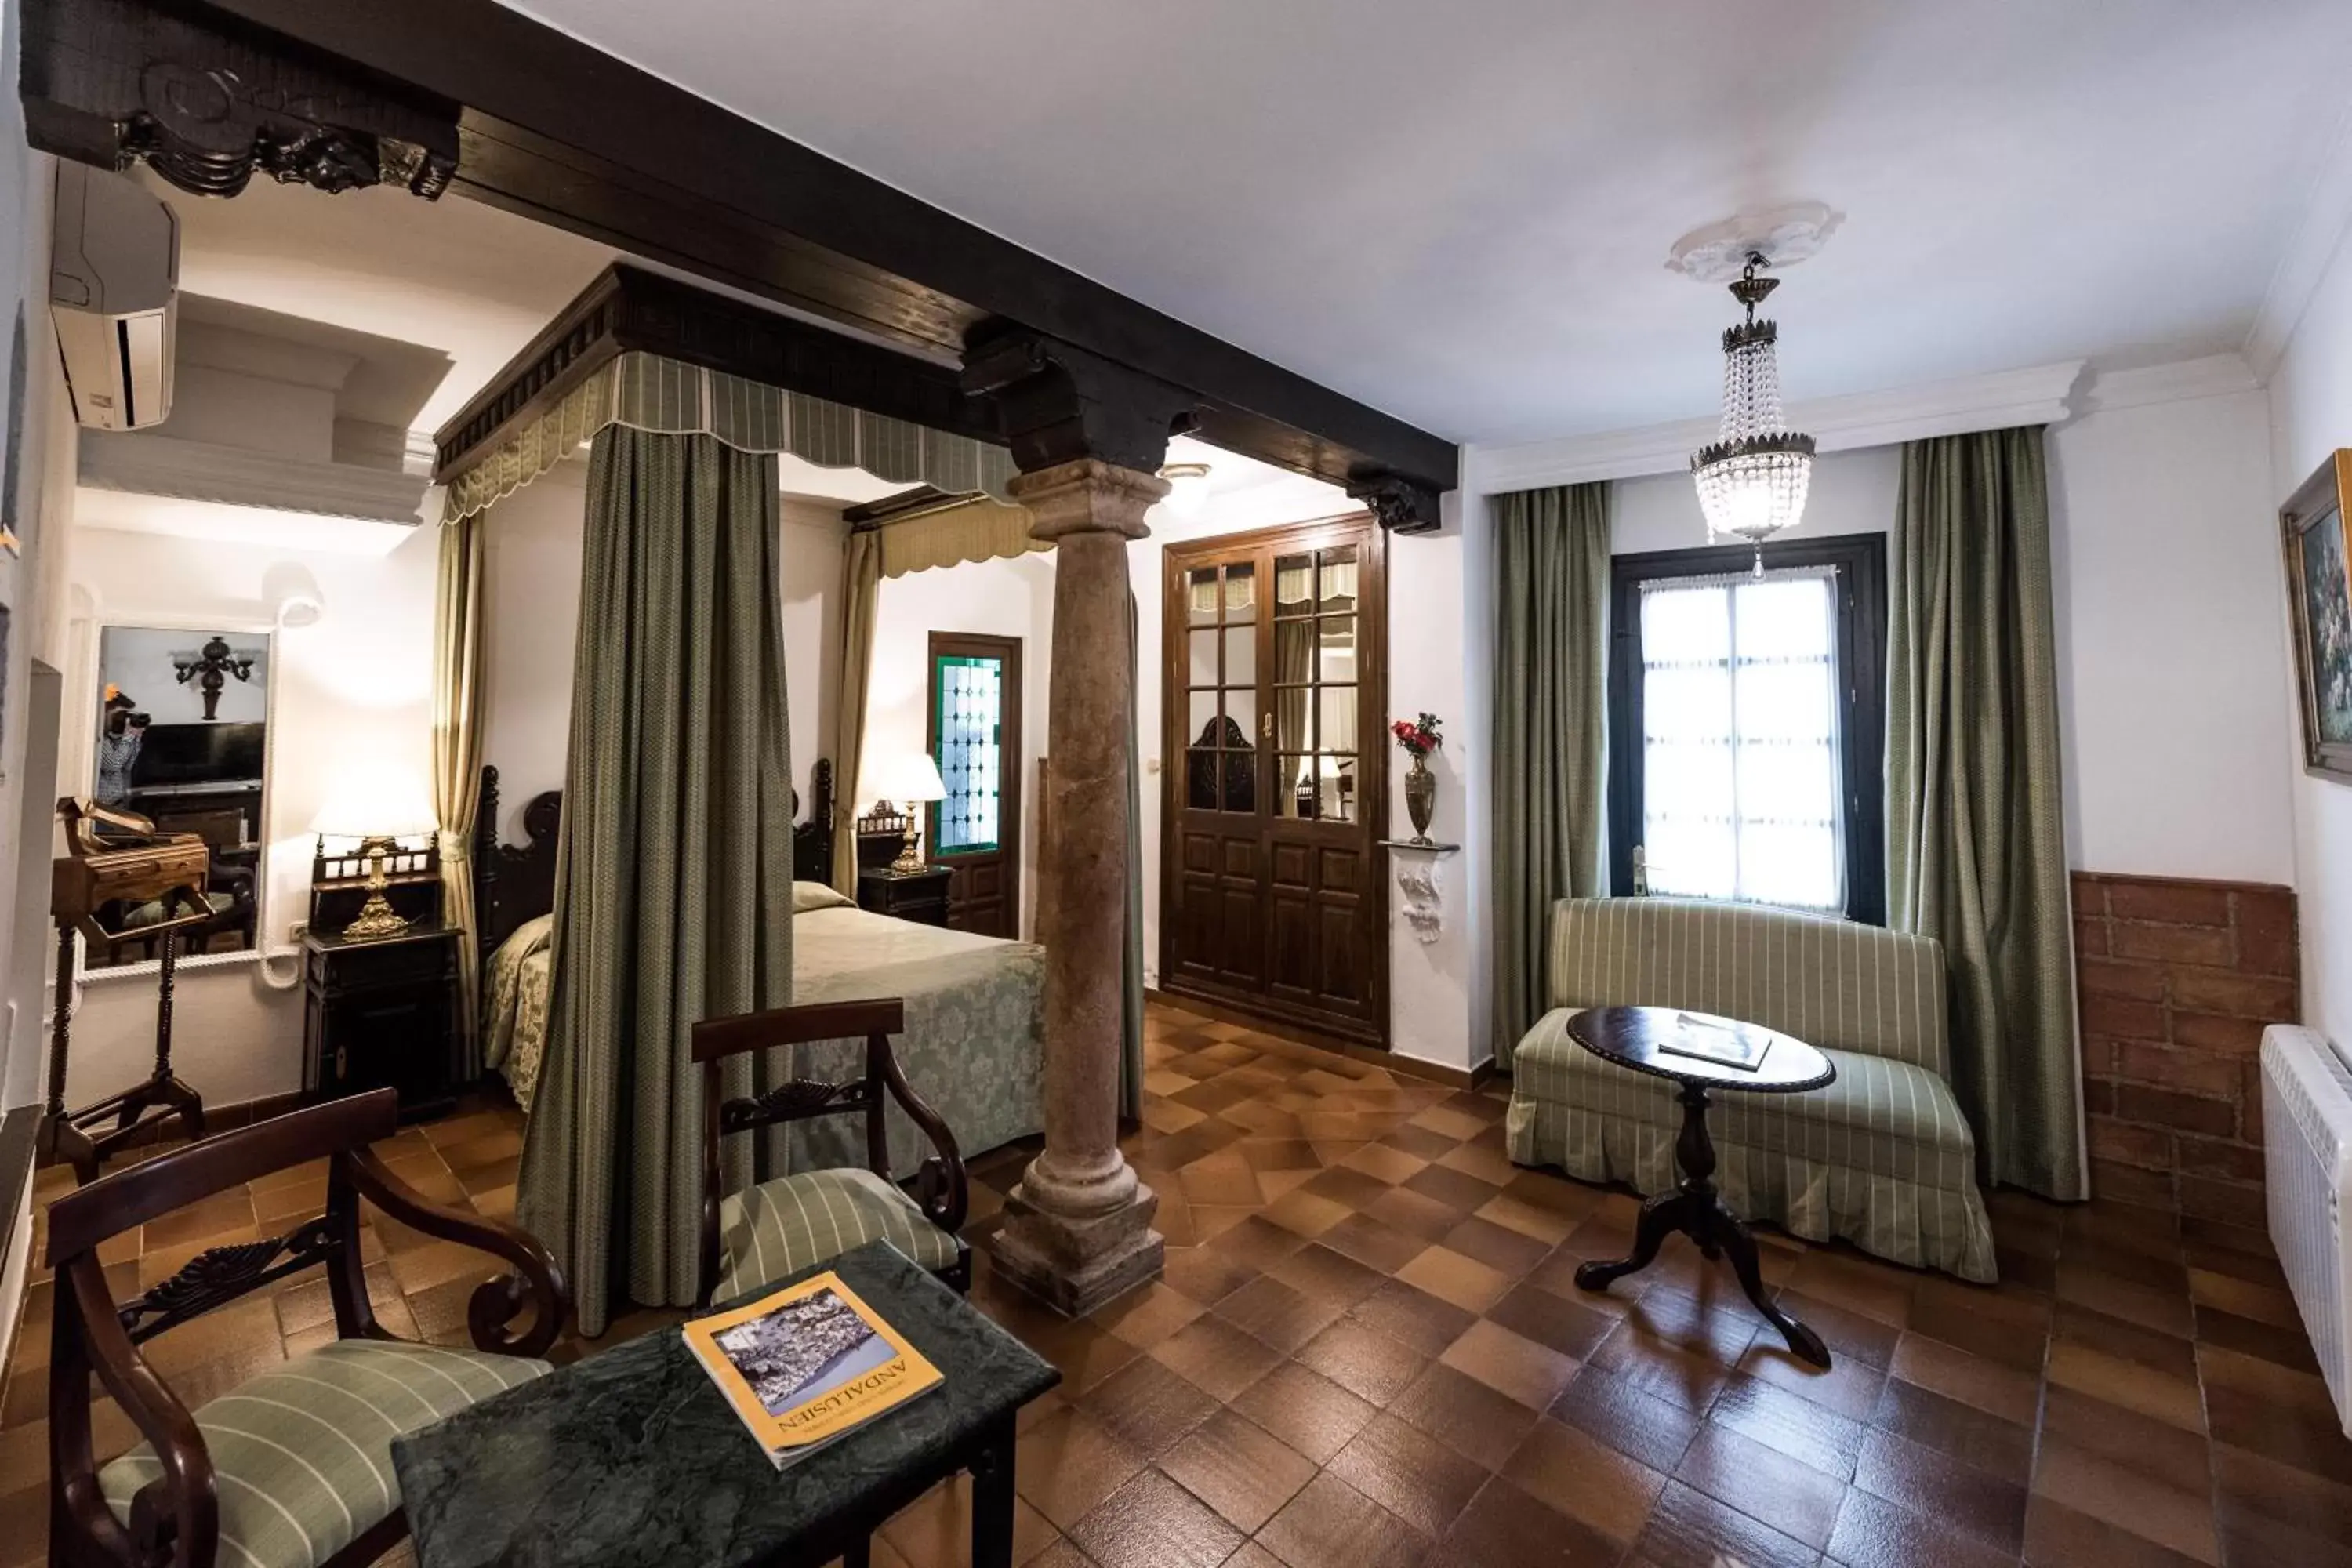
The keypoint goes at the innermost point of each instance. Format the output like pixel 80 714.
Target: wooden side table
pixel 1643 1039
pixel 381 1014
pixel 919 896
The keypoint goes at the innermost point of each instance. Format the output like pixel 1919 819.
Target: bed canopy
pixel 680 393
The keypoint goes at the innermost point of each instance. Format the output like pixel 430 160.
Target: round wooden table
pixel 1642 1038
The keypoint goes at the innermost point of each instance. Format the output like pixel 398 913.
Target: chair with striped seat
pixel 1883 1157
pixel 291 1469
pixel 767 1231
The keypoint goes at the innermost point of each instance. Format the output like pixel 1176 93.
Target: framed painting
pixel 2319 601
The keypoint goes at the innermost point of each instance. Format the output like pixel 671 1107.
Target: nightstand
pixel 382 1014
pixel 917 896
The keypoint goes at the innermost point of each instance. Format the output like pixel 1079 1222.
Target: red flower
pixel 1418 737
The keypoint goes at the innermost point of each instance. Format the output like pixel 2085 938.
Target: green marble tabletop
pixel 632 1457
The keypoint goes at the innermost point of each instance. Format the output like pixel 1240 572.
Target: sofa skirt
pixel 1905 1222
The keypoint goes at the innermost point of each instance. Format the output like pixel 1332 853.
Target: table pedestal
pixel 1698 1211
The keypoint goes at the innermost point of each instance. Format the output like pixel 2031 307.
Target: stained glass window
pixel 969 692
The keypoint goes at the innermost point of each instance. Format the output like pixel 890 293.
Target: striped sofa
pixel 1882 1157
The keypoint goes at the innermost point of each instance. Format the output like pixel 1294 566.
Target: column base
pixel 1075 1266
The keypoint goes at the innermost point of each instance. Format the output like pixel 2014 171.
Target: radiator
pixel 2308 1135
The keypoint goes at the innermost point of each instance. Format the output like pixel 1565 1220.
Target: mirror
pixel 183 726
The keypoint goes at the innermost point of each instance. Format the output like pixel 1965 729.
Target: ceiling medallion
pixel 1753 477
pixel 1783 235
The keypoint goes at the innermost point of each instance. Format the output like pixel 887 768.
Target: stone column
pixel 1077 1230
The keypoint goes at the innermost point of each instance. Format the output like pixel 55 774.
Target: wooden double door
pixel 1273 786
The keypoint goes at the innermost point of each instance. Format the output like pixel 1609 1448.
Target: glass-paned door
pixel 1317 767
pixel 1220 608
pixel 975 738
pixel 1270 892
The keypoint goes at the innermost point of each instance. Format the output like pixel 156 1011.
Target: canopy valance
pixel 648 392
pixel 959 528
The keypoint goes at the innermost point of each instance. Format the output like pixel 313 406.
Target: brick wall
pixel 2177 980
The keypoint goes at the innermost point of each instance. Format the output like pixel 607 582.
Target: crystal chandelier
pixel 1752 479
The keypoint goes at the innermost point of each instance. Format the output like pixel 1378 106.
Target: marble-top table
pixel 632 1456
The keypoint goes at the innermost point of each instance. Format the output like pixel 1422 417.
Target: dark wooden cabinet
pixel 381 1014
pixel 919 896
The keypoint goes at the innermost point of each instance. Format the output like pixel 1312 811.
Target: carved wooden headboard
pixel 515 882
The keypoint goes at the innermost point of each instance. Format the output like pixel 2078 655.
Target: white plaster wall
pixel 1011 598
pixel 351 693
pixel 2311 415
pixel 533 544
pixel 2165 553
pixel 29 589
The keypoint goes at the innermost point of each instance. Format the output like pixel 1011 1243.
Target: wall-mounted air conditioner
pixel 114 278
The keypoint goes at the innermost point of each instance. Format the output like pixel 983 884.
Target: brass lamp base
pixel 377 919
pixel 908 861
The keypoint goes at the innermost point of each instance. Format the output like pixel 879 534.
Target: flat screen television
pixel 198 754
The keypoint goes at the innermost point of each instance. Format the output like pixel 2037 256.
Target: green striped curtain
pixel 1551 663
pixel 1976 854
pixel 673 898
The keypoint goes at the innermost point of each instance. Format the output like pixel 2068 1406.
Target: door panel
pixel 1273 799
pixel 975 736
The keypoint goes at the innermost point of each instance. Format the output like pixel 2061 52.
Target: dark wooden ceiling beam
pixel 559 126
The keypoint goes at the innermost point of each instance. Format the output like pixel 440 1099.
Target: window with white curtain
pixel 1733 715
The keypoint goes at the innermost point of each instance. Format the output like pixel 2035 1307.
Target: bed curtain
pixel 861 584
pixel 458 762
pixel 674 862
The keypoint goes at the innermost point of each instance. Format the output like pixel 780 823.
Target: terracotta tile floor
pixel 1368 1351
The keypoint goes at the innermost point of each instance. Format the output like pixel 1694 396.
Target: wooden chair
pixel 293 1467
pixel 760 1235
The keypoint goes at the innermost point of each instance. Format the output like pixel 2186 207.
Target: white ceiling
pixel 470 281
pixel 1459 212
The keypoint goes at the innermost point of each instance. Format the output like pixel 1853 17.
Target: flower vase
pixel 1420 798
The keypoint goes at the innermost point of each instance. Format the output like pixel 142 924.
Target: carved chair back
pixel 941 1189
pixel 93 1335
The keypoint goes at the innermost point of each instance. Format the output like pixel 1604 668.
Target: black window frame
pixel 1860 562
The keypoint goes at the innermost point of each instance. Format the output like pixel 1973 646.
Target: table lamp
pixel 911 779
pixel 378 807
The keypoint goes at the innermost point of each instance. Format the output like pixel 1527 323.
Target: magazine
pixel 808 1365
pixel 1708 1038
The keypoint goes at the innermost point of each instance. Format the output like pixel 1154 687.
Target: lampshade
pixel 908 778
pixel 376 803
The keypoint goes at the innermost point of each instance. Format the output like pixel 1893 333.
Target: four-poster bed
pixel 974 1004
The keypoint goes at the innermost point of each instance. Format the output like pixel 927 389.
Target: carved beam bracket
pixel 209 101
pixel 1058 404
pixel 1401 505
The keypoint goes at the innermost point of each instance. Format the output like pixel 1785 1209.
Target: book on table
pixel 807 1365
pixel 1726 1041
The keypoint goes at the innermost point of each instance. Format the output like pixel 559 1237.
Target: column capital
pixel 1088 495
pixel 1057 403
